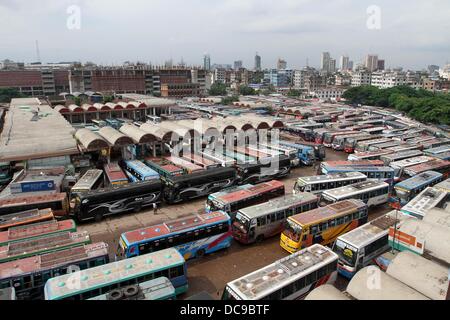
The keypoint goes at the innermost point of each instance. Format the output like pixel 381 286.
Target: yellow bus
pixel 322 225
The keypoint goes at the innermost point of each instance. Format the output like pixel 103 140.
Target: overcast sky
pixel 413 33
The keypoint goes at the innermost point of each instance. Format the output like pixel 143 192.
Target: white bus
pixel 389 158
pixel 318 184
pixel 426 200
pixel 359 247
pixel 371 192
pixel 290 278
pixel 371 155
pixel 89 181
pixel 224 161
pixel 399 166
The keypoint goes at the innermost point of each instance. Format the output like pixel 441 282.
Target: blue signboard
pixel 37 186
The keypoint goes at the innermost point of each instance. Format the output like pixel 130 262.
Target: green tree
pixel 107 99
pixel 218 89
pixel 229 100
pixel 246 91
pixel 294 93
pixel 77 101
pixel 6 94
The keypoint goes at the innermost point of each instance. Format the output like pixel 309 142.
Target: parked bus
pixel 319 149
pixel 419 140
pixel 193 236
pixel 351 143
pixel 320 133
pixel 437 150
pixel 101 279
pixel 435 143
pixel 29 275
pixel 443 156
pixel 232 199
pixel 157 289
pixel 224 161
pixel 322 225
pixel 401 166
pixel 290 278
pixel 438 165
pixel 426 200
pixel 140 170
pixel 386 145
pixel 339 141
pixel 25 217
pixel 374 130
pixel 405 147
pixel 358 248
pixel 408 189
pixel 371 192
pixel 130 177
pixel 239 157
pixel 397 156
pixel 255 223
pixel 200 161
pixel 163 167
pixel 252 153
pixel 349 163
pixel 257 172
pixel 35 230
pixel 44 244
pixel 385 174
pixel 114 174
pixel 318 184
pixel 370 155
pixel 117 199
pixel 6 173
pixel 304 152
pixel 8 294
pixel 444 185
pixel 186 165
pixel 57 202
pixel 363 146
pixel 328 137
pixel 91 180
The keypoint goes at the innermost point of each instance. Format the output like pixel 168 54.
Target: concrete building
pixel 371 62
pixel 343 63
pixel 332 66
pixel 325 61
pixel 328 93
pixel 388 79
pixel 361 77
pixel 257 62
pixel 380 65
pixel 279 78
pixel 237 64
pixel 207 62
pixel 281 64
pixel 220 75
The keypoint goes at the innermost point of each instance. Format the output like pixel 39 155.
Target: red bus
pixel 115 174
pixel 24 218
pixel 57 202
pixel 328 137
pixel 235 198
pixel 200 161
pixel 437 165
pixel 186 165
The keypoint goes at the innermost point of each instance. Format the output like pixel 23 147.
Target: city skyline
pixel 228 31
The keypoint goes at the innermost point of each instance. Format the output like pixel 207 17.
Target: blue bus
pixel 193 236
pixel 408 189
pixel 386 174
pixel 437 151
pixel 140 170
pixel 306 154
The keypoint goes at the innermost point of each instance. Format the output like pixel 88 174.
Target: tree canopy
pixel 247 91
pixel 421 105
pixel 218 89
pixel 6 94
pixel 229 100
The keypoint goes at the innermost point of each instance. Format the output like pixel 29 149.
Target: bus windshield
pixel 292 230
pixel 242 222
pixel 346 252
pixel 213 205
pixel 299 186
pixel 402 194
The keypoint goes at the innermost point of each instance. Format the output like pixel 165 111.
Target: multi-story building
pixel 343 79
pixel 371 62
pixel 325 62
pixel 237 64
pixel 328 93
pixel 360 77
pixel 281 64
pixel 380 65
pixel 332 66
pixel 344 60
pixel 279 78
pixel 257 62
pixel 207 62
pixel 220 75
pixel 388 79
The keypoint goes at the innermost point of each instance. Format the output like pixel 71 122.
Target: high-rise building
pixel 325 61
pixel 332 66
pixel 237 64
pixel 207 62
pixel 281 64
pixel 380 65
pixel 433 69
pixel 371 62
pixel 350 65
pixel 257 62
pixel 344 63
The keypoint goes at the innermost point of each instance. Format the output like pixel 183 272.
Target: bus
pixel 200 161
pixel 328 137
pixel 255 223
pixel 322 225
pixel 436 151
pixel 370 155
pixel 99 280
pixel 386 145
pixel 327 292
pixel 224 161
pixel 318 184
pixel 130 177
pixel 57 202
pixel 8 294
pixel 187 166
pixel 374 130
pixel 232 199
pixel 193 236
pixel 444 185
pixel 351 143
pixel 239 157
pixel 6 173
pixel 29 275
pixel 114 174
pixel 435 143
pixel 44 244
pixel 438 165
pixel 252 153
pixel 117 199
pixel 392 157
pixel 389 288
pixel 385 174
pixel 419 140
pixel 199 184
pixel 306 153
pixel 157 289
pixel 290 278
pixel 140 170
pixel 365 145
pixel 405 147
pixel 35 230
pixel 401 166
pixel 428 199
pixel 371 192
pixel 339 141
pixel 25 217
pixel 319 149
pixel 349 163
pixel 257 172
pixel 163 167
pixel 358 248
pixel 320 133
pixel 91 180
pixel 277 146
pixel 408 189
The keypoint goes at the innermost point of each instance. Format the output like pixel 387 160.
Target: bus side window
pixel 280 215
pixel 261 221
pixel 340 221
pixel 314 229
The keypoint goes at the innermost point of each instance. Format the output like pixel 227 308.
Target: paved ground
pixel 211 273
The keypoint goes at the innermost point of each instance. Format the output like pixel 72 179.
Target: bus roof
pixel 430 165
pixel 280 203
pixel 140 166
pixel 26 217
pixel 4 203
pixel 424 201
pixel 423 275
pixel 96 277
pixel 184 164
pixel 444 185
pixel 349 163
pixel 114 172
pixel 370 231
pixel 52 260
pixel 192 221
pixel 402 155
pixel 333 177
pixel 236 194
pixel 389 287
pixel 437 150
pixel 364 186
pixel 419 180
pixel 323 213
pixel 326 292
pixel 88 179
pixel 410 162
pixel 262 282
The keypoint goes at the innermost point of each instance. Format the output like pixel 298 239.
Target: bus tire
pixel 98 217
pixel 137 209
pixel 260 238
pixel 200 253
pixel 131 291
pixel 115 294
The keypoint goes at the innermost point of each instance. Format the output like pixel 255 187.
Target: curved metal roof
pixel 160 133
pixel 61 109
pixel 89 140
pixel 139 136
pixel 114 137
